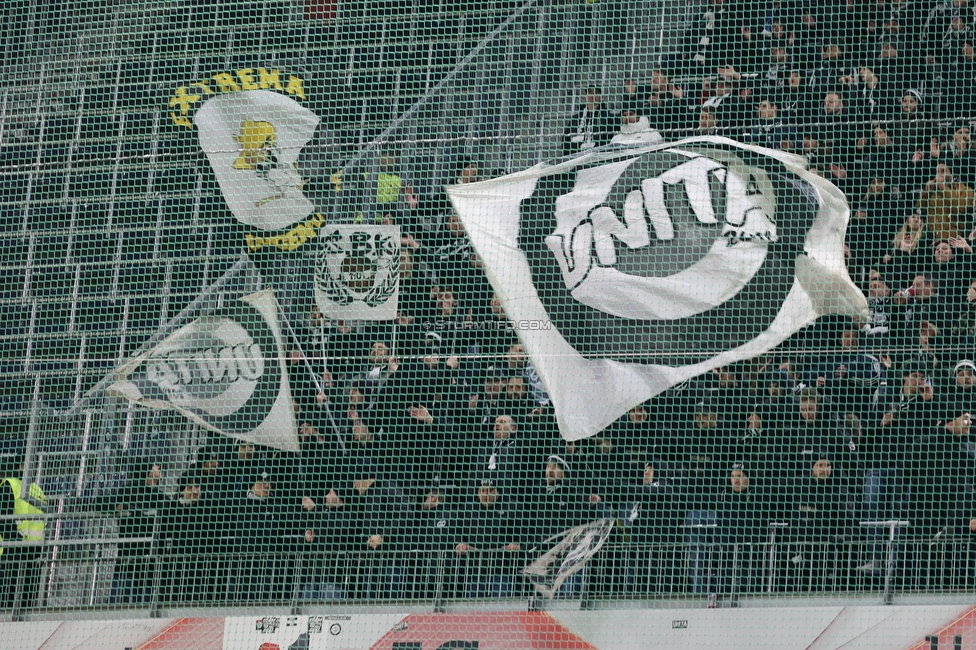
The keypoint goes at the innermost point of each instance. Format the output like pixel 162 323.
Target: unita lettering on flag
pixel 645 266
pixel 225 371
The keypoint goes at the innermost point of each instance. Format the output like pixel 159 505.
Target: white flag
pixel 253 139
pixel 628 270
pixel 357 272
pixel 568 555
pixel 225 372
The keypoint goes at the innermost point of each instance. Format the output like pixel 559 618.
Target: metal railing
pixel 138 573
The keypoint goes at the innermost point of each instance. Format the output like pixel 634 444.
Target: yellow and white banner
pixel 253 140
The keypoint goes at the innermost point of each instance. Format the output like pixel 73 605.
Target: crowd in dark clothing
pixel 435 433
pixel 439 451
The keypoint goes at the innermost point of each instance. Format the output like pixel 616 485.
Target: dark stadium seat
pixel 11 282
pixel 54 350
pixel 18 155
pixel 50 250
pixel 172 44
pixel 15 349
pixel 15 393
pixel 183 242
pixel 101 351
pixel 99 127
pixel 139 124
pixel 99 315
pixel 13 187
pixel 61 125
pixel 52 318
pixel 135 214
pixel 51 283
pixel 136 71
pixel 136 247
pixel 173 71
pixel 99 98
pixel 96 280
pixel 141 279
pixel 13 251
pixel 99 154
pixel 144 313
pixel 137 96
pixel 48 187
pixel 55 155
pixel 95 248
pixel 178 179
pixel 133 181
pixel 87 185
pixel 135 151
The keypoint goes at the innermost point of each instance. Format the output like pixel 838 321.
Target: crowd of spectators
pixel 435 433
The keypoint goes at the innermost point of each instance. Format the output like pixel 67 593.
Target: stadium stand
pixel 431 467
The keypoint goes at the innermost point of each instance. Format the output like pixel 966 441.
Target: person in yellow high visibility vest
pixel 14 500
pixel 30 530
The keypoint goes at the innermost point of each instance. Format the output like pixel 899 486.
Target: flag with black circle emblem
pixel 627 270
pixel 357 272
pixel 225 371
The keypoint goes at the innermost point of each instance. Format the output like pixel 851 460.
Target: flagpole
pixel 328 409
pixel 322 343
pixel 393 341
pixel 160 334
pixel 416 106
pixel 315 379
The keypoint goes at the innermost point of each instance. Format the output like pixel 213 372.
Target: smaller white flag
pixel 253 140
pixel 224 371
pixel 570 553
pixel 357 272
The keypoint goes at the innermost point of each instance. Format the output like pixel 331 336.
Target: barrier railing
pixel 136 573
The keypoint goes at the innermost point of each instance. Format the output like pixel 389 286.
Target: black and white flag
pixel 570 552
pixel 357 272
pixel 628 270
pixel 224 371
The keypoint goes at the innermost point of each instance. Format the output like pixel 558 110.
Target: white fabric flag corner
pixel 253 140
pixel 224 371
pixel 357 272
pixel 638 267
pixel 570 552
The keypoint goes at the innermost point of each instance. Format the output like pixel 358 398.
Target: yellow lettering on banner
pixel 183 100
pixel 205 87
pixel 270 79
pixel 247 79
pixel 179 120
pixel 295 87
pixel 226 82
pixel 291 240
